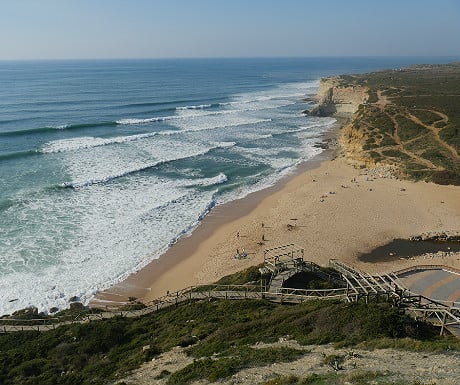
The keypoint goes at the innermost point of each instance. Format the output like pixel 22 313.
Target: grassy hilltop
pixel 221 338
pixel 411 120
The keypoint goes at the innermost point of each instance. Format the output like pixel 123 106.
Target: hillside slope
pixel 408 119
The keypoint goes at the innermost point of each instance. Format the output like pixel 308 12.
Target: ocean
pixel 105 164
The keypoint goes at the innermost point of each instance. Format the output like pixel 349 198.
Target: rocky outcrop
pixel 338 100
pixel 351 144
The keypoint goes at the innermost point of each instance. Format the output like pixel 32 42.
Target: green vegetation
pixel 408 129
pixel 221 336
pixel 215 369
pixel 396 154
pixel 418 112
pixel 427 117
pixel 250 275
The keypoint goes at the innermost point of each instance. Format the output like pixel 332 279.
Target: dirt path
pixel 435 132
pixel 392 365
pixel 382 101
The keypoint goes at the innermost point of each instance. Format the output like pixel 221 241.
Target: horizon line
pixel 455 57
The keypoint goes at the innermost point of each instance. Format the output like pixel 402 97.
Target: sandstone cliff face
pixel 337 100
pixel 343 101
pixel 351 144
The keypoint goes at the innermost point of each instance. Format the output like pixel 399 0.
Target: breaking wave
pixel 146 166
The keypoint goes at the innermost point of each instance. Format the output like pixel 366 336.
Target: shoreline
pixel 317 207
pixel 139 284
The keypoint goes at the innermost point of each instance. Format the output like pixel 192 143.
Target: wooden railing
pixel 446 315
pixel 428 267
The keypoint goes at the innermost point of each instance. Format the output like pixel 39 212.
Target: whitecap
pixel 199 107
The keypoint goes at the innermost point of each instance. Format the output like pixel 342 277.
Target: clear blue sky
pixel 64 29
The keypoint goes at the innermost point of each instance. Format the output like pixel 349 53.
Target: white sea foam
pixel 216 122
pixel 62 126
pixel 105 164
pixel 86 142
pixel 124 223
pixel 223 144
pixel 218 179
pixel 199 107
pixel 134 121
pixel 283 167
pixel 83 142
pixel 78 241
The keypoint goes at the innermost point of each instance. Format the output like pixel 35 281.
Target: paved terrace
pixel 439 283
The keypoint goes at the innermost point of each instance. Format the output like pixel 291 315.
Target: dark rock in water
pixel 76 306
pixel 310 99
pixel 326 107
pixel 306 112
pixel 327 144
pixel 320 111
pixel 322 145
pixel 74 299
pixel 54 310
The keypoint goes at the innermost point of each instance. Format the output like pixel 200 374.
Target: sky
pixel 96 29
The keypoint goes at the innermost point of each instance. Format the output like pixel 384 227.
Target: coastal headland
pixel 391 171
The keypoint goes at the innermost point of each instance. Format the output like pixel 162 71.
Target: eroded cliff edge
pixel 339 100
pixel 404 121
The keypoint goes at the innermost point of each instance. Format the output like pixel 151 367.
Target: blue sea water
pixel 104 164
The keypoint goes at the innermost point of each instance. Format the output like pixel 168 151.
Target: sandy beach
pixel 329 208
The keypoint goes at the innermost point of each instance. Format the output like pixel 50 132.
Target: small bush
pixel 163 374
pixel 312 379
pixel 447 177
pixel 206 368
pixel 30 368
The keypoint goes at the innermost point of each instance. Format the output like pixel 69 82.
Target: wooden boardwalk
pixel 445 314
pixel 194 293
pixel 281 263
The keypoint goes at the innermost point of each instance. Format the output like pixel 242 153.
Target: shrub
pixel 30 368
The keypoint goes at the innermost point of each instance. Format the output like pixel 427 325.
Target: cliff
pixel 336 99
pixel 406 121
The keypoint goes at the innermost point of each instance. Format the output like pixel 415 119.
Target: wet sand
pixel 329 208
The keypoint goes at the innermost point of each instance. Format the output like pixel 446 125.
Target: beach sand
pixel 329 208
